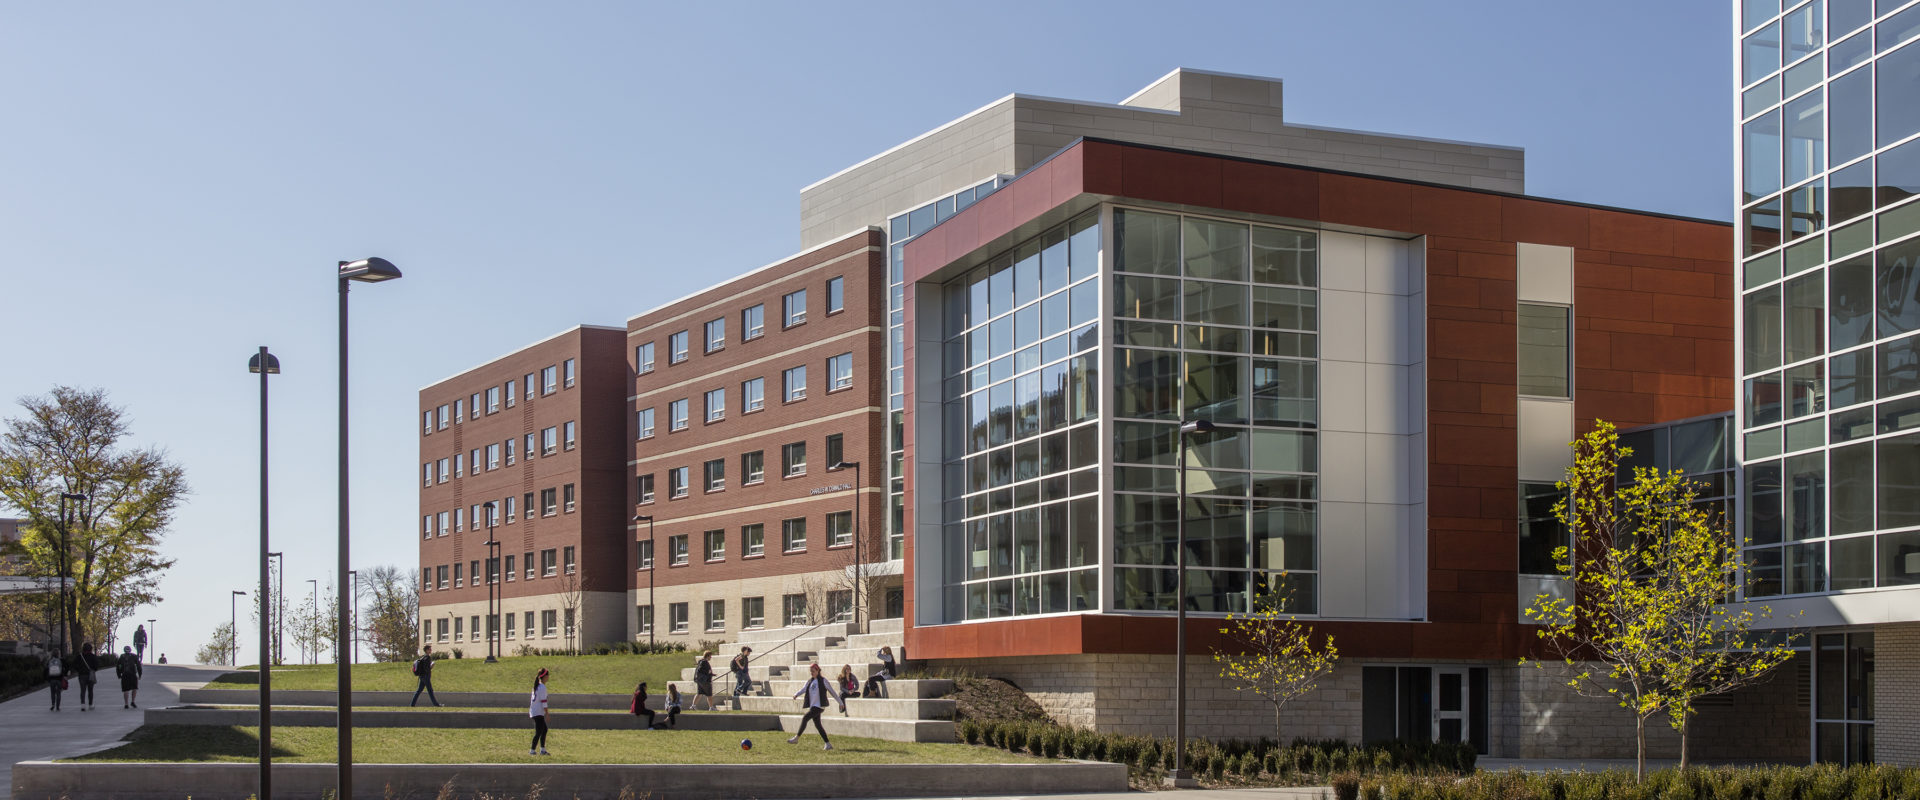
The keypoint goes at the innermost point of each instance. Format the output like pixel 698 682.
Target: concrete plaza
pixel 29 732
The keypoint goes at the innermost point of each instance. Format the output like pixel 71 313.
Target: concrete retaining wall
pixel 305 697
pixel 42 780
pixel 489 720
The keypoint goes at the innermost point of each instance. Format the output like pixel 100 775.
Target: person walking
pixel 813 695
pixel 887 672
pixel 56 679
pixel 537 709
pixel 89 675
pixel 742 679
pixel 639 705
pixel 140 643
pixel 673 706
pixel 129 671
pixel 423 667
pixel 703 680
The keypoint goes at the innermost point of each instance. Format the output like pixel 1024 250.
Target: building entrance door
pixel 1451 722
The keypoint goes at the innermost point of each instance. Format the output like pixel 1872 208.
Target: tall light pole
pixel 366 270
pixel 264 364
pixel 858 556
pixel 233 631
pixel 1180 777
pixel 493 577
pixel 66 563
pixel 653 559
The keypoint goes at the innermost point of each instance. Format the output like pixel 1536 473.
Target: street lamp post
pixel 493 572
pixel 366 270
pixel 66 564
pixel 264 364
pixel 652 559
pixel 858 556
pixel 233 631
pixel 1180 777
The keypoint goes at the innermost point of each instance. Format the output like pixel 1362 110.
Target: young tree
pixel 68 443
pixel 570 594
pixel 219 646
pixel 392 624
pixel 1651 574
pixel 1274 656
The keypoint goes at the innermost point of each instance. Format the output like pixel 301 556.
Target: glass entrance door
pixel 1450 718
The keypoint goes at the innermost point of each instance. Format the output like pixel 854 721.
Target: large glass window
pixel 1545 340
pixel 1541 531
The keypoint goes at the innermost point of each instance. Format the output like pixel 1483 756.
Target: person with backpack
pixel 56 679
pixel 814 696
pixel 140 643
pixel 742 679
pixel 89 675
pixel 129 670
pixel 423 667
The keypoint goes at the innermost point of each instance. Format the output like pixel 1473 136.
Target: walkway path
pixel 30 732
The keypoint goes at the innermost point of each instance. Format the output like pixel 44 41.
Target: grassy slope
pixel 570 674
pixel 444 746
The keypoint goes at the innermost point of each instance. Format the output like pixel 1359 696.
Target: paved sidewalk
pixel 1280 793
pixel 30 732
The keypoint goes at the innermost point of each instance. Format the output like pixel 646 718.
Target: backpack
pixel 124 669
pixel 415 667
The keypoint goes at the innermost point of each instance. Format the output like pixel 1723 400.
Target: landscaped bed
pixel 609 674
pixel 461 746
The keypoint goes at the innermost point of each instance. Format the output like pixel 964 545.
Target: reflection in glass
pixel 1762 156
pixel 1543 365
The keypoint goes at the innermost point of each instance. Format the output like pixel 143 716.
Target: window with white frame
pixel 549 505
pixel 532 388
pixel 836 295
pixel 426 526
pixel 715 473
pixel 474 403
pixel 795 308
pixel 459 411
pixel 568 613
pixel 440 572
pixel 753 612
pixel 458 579
pixel 645 488
pixel 677 348
pixel 493 456
pixel 566 434
pixel 753 322
pixel 549 440
pixel 676 617
pixel 509 504
pixel 753 395
pixel 645 615
pixel 567 372
pixel 493 399
pixel 793 608
pixel 677 482
pixel 643 555
pixel 793 459
pixel 836 451
pixel 549 563
pixel 445 412
pixel 753 540
pixel 643 359
pixel 426 420
pixel 568 559
pixel 446 470
pixel 527 625
pixel 793 534
pixel 567 497
pixel 549 380
pixel 459 520
pixel 716 334
pixel 716 615
pixel 795 383
pixel 527 558
pixel 643 422
pixel 473 461
pixel 426 474
pixel 549 623
pixel 532 445
pixel 840 371
pixel 510 394
pixel 509 446
pixel 677 415
pixel 753 467
pixel 716 405
pixel 716 545
pixel 445 519
pixel 677 550
pixel 840 528
pixel 511 572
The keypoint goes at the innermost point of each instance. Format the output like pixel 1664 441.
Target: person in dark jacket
pixel 89 675
pixel 814 695
pixel 742 679
pixel 639 705
pixel 129 671
pixel 888 669
pixel 423 667
pixel 703 680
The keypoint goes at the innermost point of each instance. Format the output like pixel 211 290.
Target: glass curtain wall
pixel 1021 407
pixel 900 230
pixel 1830 310
pixel 1214 320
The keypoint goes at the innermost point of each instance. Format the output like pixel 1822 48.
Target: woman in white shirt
pixel 537 709
pixel 816 692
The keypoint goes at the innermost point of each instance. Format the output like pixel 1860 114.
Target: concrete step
pixel 492 720
pixel 897 625
pixel 898 689
pixel 859 708
pixel 758 672
pixel 300 697
pixel 774 636
pixel 894 730
pixel 875 641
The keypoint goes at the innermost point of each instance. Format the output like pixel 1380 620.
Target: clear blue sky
pixel 178 179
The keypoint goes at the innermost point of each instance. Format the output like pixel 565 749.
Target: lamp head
pixel 272 366
pixel 369 270
pixel 72 496
pixel 238 593
pixel 642 518
pixel 1191 427
pixel 844 464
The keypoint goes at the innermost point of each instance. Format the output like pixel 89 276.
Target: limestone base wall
pixel 1896 694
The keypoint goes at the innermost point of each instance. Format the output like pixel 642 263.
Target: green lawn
pixel 570 675
pixel 450 746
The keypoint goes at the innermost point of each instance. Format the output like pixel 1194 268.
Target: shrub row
pixel 1822 782
pixel 1301 761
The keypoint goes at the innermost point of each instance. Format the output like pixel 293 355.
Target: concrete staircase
pixel 906 711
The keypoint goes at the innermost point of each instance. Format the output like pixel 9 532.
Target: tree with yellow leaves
pixel 1652 573
pixel 1275 656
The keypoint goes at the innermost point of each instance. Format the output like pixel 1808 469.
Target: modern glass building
pixel 1829 166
